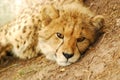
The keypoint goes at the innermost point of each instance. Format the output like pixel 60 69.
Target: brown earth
pixel 101 62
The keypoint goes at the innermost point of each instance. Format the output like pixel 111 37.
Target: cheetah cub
pixel 61 34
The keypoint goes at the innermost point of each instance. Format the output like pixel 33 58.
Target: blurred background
pixel 9 9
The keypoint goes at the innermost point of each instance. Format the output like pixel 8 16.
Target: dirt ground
pixel 101 62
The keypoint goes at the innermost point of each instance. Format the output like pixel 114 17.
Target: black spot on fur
pixel 24 30
pixel 24 42
pixel 18 46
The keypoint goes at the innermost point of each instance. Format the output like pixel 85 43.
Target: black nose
pixel 68 55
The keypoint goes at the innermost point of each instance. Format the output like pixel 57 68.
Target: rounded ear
pixel 97 21
pixel 48 12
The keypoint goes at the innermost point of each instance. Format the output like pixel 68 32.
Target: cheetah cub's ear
pixel 97 21
pixel 48 12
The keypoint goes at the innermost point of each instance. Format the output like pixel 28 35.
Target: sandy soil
pixel 101 62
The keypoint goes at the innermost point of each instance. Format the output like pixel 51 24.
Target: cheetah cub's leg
pixel 4 50
pixel 28 54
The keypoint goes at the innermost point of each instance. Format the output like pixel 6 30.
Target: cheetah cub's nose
pixel 68 55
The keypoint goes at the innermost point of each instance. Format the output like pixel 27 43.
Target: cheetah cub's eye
pixel 81 39
pixel 59 35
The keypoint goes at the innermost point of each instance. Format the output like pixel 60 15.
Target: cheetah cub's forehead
pixel 70 18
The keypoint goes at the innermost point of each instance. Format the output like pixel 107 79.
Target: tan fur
pixel 62 33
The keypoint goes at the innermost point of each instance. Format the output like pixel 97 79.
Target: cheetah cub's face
pixel 67 32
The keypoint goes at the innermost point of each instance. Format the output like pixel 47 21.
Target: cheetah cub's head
pixel 67 32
